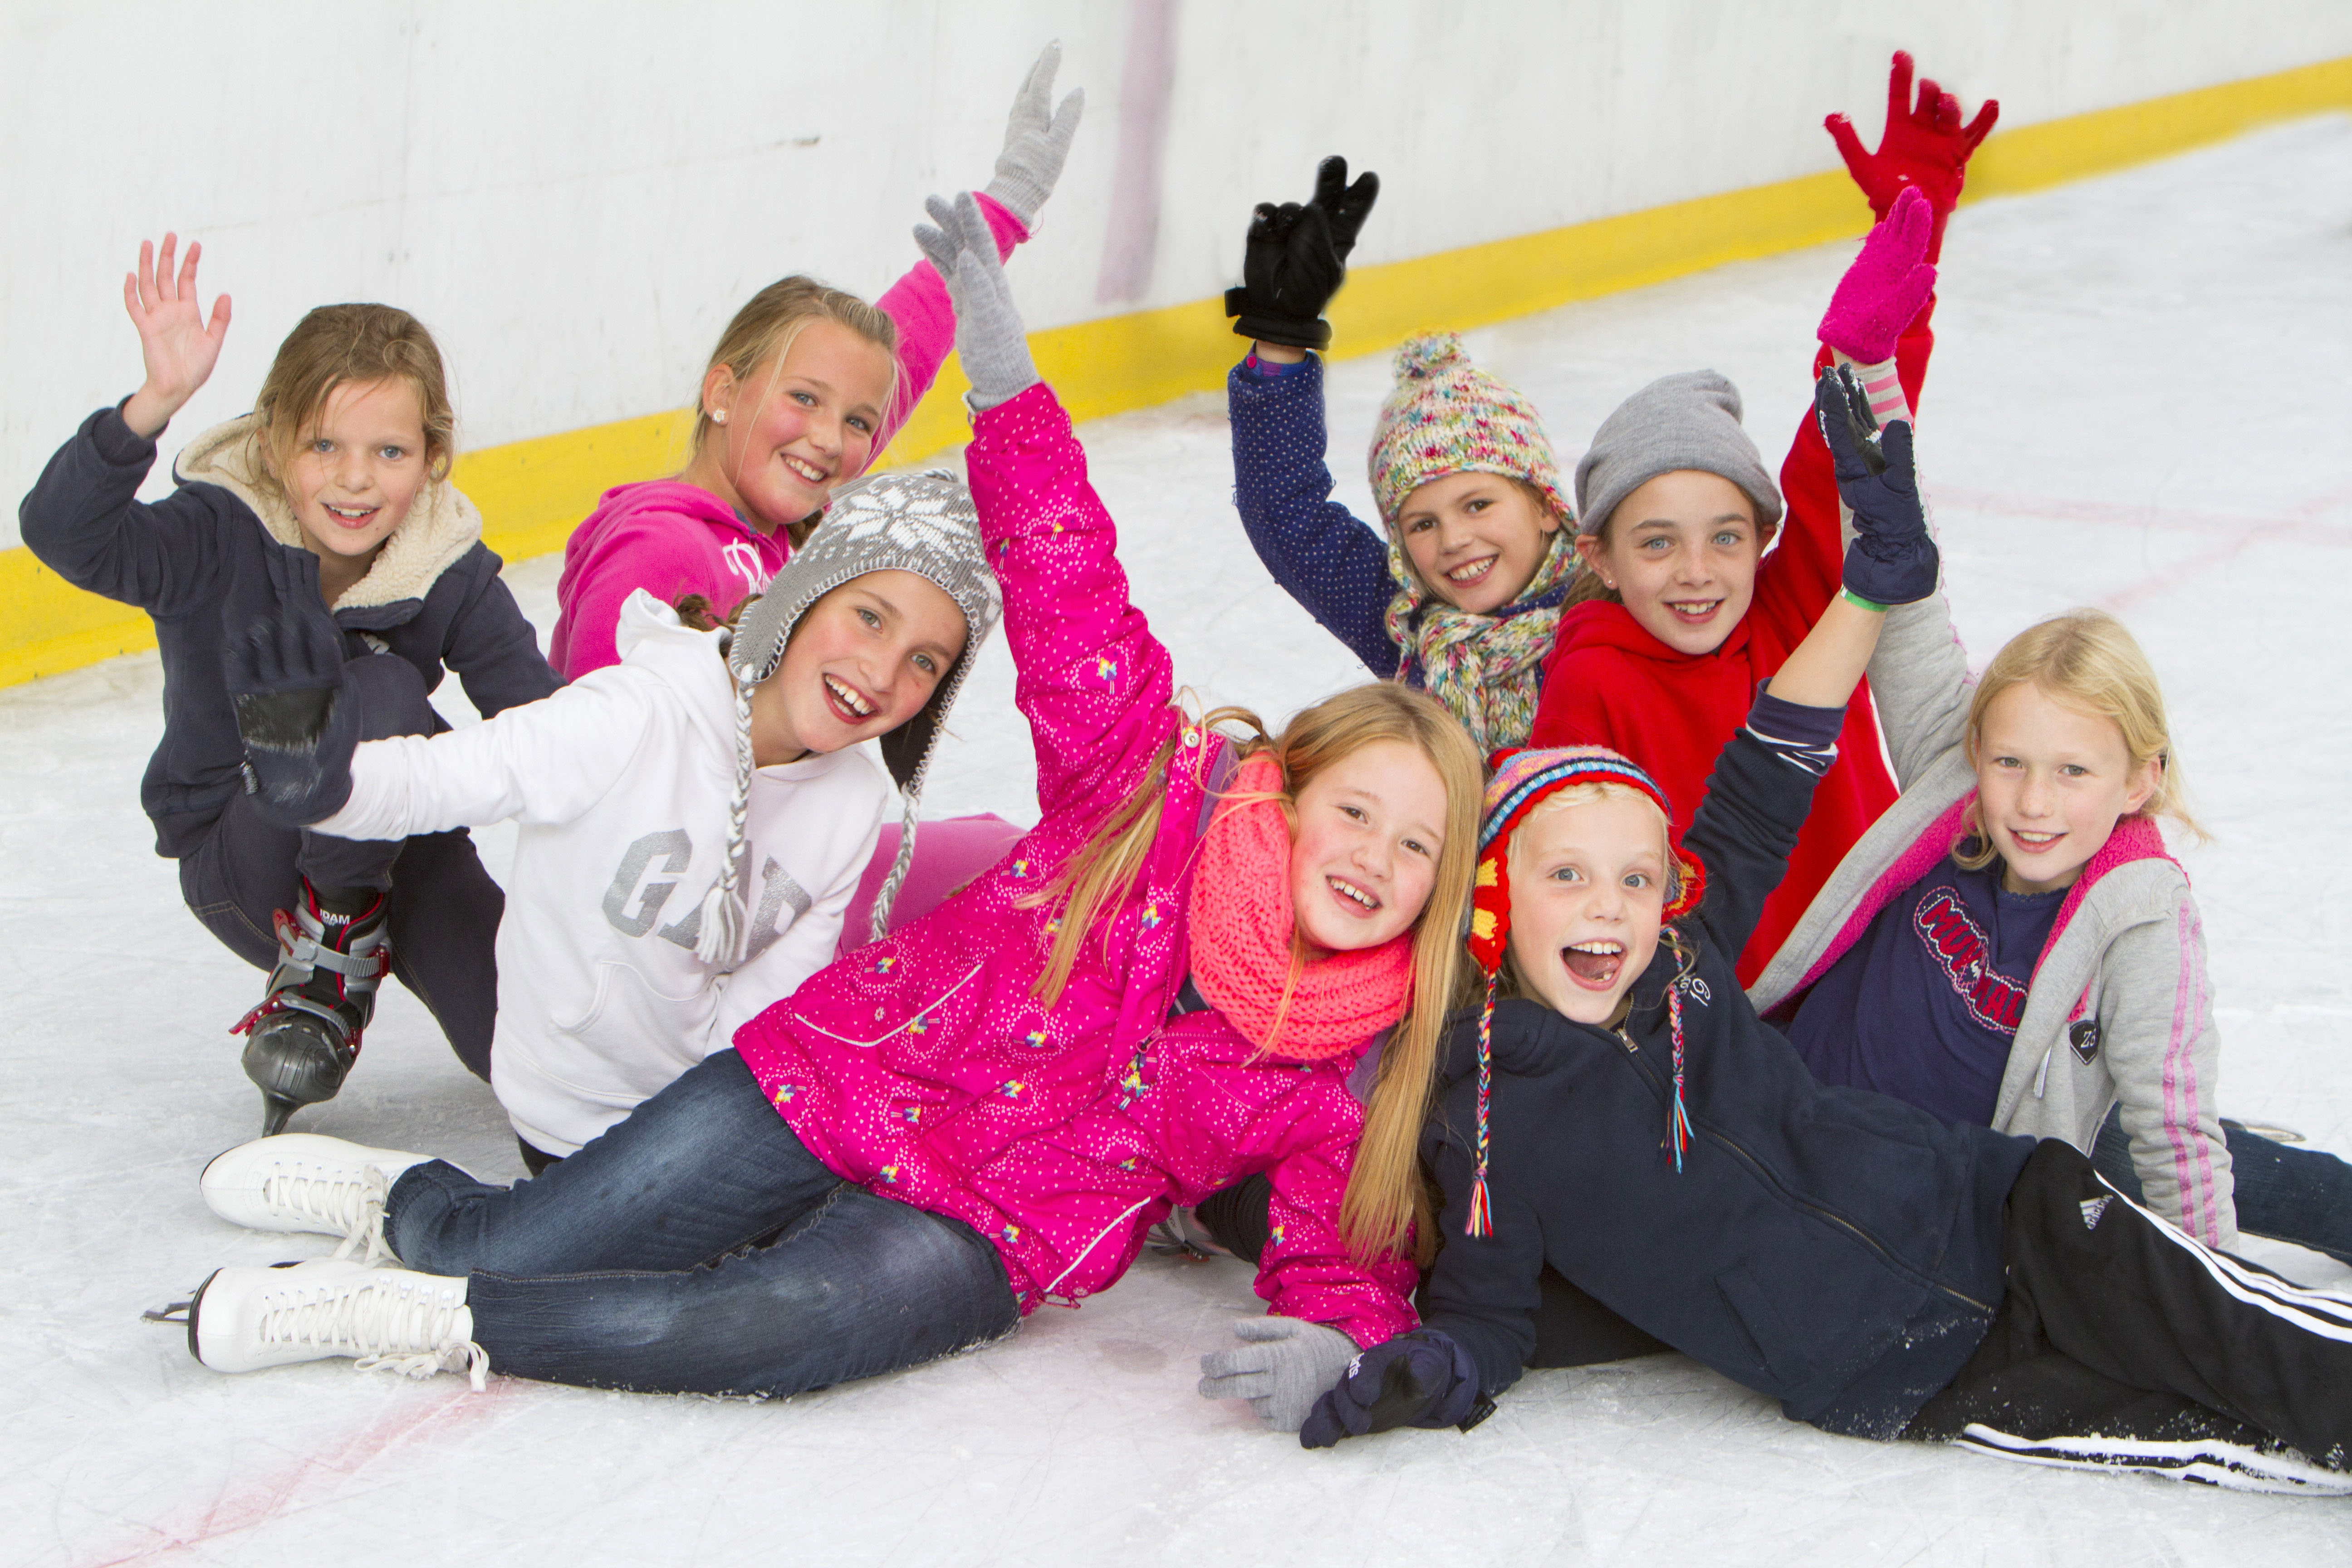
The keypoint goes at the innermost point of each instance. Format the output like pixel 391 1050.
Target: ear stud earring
pixel 719 417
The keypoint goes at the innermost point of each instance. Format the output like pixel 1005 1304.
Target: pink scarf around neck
pixel 1242 930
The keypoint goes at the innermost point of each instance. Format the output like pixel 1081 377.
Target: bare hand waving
pixel 179 346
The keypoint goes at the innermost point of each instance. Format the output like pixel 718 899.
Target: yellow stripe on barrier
pixel 533 493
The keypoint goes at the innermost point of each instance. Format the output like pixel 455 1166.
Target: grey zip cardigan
pixel 2121 1001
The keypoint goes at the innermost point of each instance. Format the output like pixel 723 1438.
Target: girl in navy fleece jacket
pixel 335 487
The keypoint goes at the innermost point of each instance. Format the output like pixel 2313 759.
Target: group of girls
pixel 800 1105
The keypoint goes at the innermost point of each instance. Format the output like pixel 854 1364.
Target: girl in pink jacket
pixel 805 388
pixel 1168 986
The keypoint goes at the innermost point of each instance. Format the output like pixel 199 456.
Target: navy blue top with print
pixel 1925 1007
pixel 1333 563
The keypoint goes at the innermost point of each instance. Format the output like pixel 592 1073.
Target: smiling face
pixel 861 661
pixel 2051 783
pixel 1682 553
pixel 1476 540
pixel 802 422
pixel 353 473
pixel 1587 894
pixel 1363 859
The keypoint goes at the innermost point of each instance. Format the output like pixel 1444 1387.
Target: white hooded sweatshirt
pixel 622 783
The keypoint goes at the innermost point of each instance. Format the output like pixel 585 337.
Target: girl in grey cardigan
pixel 2011 943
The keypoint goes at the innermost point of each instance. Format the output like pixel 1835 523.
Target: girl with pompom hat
pixel 1462 585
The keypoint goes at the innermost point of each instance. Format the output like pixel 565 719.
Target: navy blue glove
pixel 1296 256
pixel 1420 1379
pixel 284 667
pixel 1892 558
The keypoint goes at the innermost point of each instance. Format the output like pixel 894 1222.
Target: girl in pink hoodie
pixel 805 388
pixel 1168 984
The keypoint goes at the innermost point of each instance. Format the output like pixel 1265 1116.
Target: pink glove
pixel 1923 146
pixel 1884 287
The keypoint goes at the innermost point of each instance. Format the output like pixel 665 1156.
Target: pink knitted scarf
pixel 1242 926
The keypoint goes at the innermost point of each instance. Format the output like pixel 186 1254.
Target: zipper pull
pixel 2042 1078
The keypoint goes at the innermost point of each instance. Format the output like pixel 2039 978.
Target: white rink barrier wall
pixel 575 198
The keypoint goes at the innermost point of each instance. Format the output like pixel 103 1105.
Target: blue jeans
pixel 2287 1194
pixel 697 1247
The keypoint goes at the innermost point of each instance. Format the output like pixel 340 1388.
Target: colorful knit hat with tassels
pixel 1522 777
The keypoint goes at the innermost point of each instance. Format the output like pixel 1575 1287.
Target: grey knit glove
pixel 1035 146
pixel 989 336
pixel 1282 1367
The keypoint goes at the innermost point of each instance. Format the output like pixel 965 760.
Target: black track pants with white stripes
pixel 2119 1335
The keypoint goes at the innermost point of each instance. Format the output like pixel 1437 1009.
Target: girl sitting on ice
pixel 695 818
pixel 1626 1118
pixel 1167 986
pixel 1462 588
pixel 331 499
pixel 805 388
pixel 2010 945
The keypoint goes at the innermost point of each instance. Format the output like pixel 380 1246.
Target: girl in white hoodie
pixel 694 819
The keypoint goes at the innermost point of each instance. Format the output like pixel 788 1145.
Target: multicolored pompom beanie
pixel 1445 417
pixel 1522 777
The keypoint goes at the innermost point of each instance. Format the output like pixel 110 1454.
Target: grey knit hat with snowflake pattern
pixel 922 522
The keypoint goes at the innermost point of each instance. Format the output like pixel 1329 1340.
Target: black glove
pixel 1892 558
pixel 1421 1379
pixel 284 666
pixel 1296 256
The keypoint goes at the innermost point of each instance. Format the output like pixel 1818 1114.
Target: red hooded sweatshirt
pixel 1610 683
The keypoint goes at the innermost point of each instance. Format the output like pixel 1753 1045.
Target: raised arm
pixel 1036 143
pixel 1335 566
pixel 1754 803
pixel 1878 317
pixel 81 518
pixel 1090 678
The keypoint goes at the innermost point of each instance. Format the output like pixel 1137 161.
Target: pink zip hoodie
pixel 923 1068
pixel 672 539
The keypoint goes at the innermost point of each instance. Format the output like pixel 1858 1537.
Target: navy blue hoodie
pixel 432 596
pixel 1835 1250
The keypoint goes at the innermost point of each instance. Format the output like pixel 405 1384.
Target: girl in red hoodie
pixel 1679 613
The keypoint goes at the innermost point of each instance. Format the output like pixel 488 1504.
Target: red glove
pixel 1925 145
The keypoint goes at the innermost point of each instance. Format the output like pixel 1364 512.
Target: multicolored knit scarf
pixel 1486 670
pixel 1242 930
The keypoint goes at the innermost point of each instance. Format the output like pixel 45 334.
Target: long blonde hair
pixel 1385 1197
pixel 2088 660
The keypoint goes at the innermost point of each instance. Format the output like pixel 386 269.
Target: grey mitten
pixel 1282 1368
pixel 988 335
pixel 1035 144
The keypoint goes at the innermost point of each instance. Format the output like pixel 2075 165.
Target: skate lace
pixel 356 1208
pixel 390 1323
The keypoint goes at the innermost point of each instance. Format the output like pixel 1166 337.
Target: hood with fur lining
pixel 442 525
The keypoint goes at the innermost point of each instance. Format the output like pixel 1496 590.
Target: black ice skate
pixel 301 1040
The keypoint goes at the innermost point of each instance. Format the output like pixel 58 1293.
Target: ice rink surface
pixel 2140 399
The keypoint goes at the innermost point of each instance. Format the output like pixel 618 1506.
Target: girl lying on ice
pixel 1166 986
pixel 1627 1118
pixel 695 818
pixel 331 499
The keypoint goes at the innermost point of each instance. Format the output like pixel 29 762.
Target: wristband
pixel 1852 597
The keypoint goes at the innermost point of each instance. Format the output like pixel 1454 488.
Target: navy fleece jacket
pixel 1835 1250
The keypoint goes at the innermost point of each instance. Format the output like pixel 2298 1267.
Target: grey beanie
pixel 920 522
pixel 1686 421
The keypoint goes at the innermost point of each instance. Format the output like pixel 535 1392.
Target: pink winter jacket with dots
pixel 672 539
pixel 922 1067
